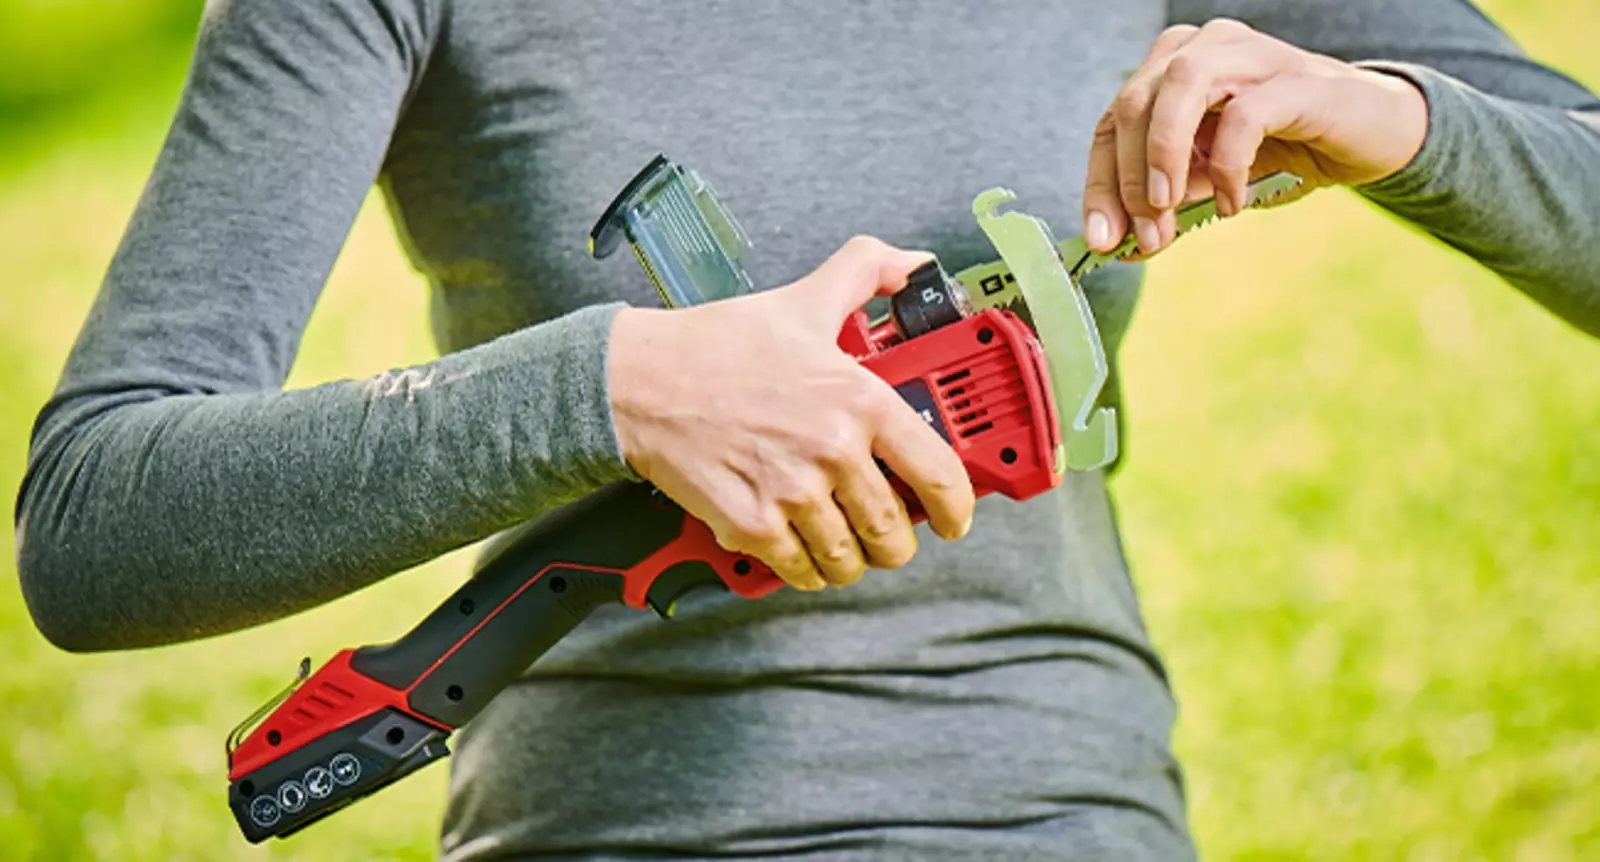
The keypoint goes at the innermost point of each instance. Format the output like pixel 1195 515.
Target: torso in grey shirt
pixel 999 698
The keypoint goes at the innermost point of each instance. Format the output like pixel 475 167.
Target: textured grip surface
pixel 552 603
pixel 543 580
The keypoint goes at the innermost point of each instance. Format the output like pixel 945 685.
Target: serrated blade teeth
pixel 1199 224
pixel 1183 230
pixel 1191 217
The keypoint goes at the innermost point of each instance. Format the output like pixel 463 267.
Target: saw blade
pixel 992 285
pixel 1270 189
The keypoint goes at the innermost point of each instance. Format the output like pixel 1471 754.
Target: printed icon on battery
pixel 319 782
pixel 264 811
pixel 346 769
pixel 292 796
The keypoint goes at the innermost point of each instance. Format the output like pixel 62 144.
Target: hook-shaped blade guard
pixel 1061 317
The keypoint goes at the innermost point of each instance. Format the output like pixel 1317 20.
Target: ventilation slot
pixel 984 395
pixel 325 699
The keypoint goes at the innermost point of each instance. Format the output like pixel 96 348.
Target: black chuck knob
pixel 929 300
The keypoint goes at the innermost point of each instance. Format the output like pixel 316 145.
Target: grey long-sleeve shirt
pixel 175 492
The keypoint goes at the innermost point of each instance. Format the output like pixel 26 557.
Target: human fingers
pixel 1105 221
pixel 1247 120
pixel 1224 59
pixel 835 553
pixel 877 515
pixel 1130 112
pixel 926 463
pixel 774 542
pixel 862 268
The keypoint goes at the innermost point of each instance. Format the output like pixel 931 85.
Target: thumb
pixel 862 268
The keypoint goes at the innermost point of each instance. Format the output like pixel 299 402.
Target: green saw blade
pixel 1270 189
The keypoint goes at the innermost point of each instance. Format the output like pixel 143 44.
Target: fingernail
pixel 1225 206
pixel 1098 230
pixel 966 527
pixel 1160 189
pixel 1149 235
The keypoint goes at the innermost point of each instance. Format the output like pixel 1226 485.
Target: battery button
pixel 346 768
pixel 319 782
pixel 292 796
pixel 264 811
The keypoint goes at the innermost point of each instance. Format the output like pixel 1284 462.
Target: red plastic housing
pixel 335 696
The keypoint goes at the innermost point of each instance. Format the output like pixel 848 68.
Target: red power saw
pixel 374 714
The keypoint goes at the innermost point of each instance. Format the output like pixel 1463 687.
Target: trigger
pixel 677 581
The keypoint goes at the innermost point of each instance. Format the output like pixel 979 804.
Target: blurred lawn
pixel 1363 506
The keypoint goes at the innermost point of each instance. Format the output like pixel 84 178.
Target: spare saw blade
pixel 1040 280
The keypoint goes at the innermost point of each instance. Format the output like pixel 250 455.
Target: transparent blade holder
pixel 688 243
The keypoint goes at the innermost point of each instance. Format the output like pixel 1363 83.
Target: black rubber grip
pixel 548 561
pixel 493 656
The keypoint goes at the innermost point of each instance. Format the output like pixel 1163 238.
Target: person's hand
pixel 1215 106
pixel 746 413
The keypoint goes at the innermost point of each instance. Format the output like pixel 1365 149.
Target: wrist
pixel 631 377
pixel 1400 113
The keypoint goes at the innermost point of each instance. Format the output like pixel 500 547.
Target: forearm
pixel 1515 185
pixel 165 518
pixel 1510 170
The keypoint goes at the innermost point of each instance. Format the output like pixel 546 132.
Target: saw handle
pixel 540 583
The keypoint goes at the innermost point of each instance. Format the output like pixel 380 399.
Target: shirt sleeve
pixel 1510 170
pixel 173 489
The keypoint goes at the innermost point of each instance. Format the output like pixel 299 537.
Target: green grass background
pixel 1363 508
